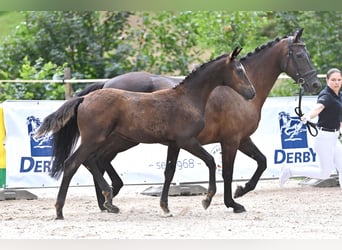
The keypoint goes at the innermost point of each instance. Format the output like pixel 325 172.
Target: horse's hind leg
pixel 98 191
pixel 106 190
pixel 70 167
pixel 249 148
pixel 105 165
pixel 195 148
pixel 171 161
pixel 63 189
pixel 99 195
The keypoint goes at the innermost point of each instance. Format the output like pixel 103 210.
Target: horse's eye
pixel 239 69
pixel 299 55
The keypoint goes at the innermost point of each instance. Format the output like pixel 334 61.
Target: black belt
pixel 328 129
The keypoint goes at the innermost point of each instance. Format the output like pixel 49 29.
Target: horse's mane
pixel 256 50
pixel 202 66
pixel 267 45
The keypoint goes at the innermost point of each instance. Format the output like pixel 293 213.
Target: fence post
pixel 68 88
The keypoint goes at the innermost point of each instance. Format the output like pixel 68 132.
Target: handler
pixel 326 144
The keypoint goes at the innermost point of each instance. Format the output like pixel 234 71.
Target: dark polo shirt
pixel 330 117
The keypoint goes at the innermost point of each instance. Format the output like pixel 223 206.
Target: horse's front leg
pixel 249 148
pixel 194 147
pixel 171 162
pixel 228 157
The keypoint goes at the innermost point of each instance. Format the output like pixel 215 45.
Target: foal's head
pixel 236 77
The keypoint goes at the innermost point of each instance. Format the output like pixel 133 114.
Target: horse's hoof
pixel 59 215
pixel 102 208
pixel 239 209
pixel 164 207
pixel 167 215
pixel 238 192
pixel 112 209
pixel 205 204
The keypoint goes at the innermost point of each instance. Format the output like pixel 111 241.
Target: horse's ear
pixel 234 54
pixel 297 35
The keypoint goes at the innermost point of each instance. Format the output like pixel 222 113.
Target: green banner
pixel 2 150
pixel 2 177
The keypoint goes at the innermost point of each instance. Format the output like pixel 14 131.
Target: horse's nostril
pixel 317 85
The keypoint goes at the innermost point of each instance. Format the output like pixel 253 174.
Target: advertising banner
pixel 2 149
pixel 280 136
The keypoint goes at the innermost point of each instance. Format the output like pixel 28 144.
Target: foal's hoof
pixel 205 204
pixel 239 208
pixel 164 206
pixel 111 208
pixel 59 217
pixel 166 215
pixel 239 192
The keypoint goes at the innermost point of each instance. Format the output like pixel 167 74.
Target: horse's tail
pixel 65 133
pixel 90 88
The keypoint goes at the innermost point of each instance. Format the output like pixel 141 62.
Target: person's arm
pixel 313 113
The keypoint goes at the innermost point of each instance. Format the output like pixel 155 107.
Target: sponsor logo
pixel 293 135
pixel 40 147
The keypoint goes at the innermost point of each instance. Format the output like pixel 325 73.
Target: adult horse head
pixel 110 121
pixel 298 64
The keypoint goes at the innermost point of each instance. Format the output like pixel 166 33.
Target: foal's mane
pixel 267 45
pixel 202 66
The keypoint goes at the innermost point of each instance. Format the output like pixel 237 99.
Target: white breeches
pixel 329 155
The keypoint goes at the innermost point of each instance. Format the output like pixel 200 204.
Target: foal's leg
pixel 106 189
pixel 110 149
pixel 63 189
pixel 228 157
pixel 171 161
pixel 117 183
pixel 194 147
pixel 98 191
pixel 70 167
pixel 99 195
pixel 252 151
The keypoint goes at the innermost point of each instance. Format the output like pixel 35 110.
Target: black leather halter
pixel 300 79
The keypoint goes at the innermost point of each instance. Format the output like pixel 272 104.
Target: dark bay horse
pixel 115 120
pixel 229 123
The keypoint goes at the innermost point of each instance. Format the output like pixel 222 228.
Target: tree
pixel 323 34
pixel 80 39
pixel 105 44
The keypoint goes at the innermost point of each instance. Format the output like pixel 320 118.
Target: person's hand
pixel 304 119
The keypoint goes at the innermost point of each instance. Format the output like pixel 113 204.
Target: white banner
pixel 280 136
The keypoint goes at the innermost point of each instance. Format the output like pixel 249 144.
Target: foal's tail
pixel 63 125
pixel 90 88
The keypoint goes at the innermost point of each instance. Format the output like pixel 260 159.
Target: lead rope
pixel 298 111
